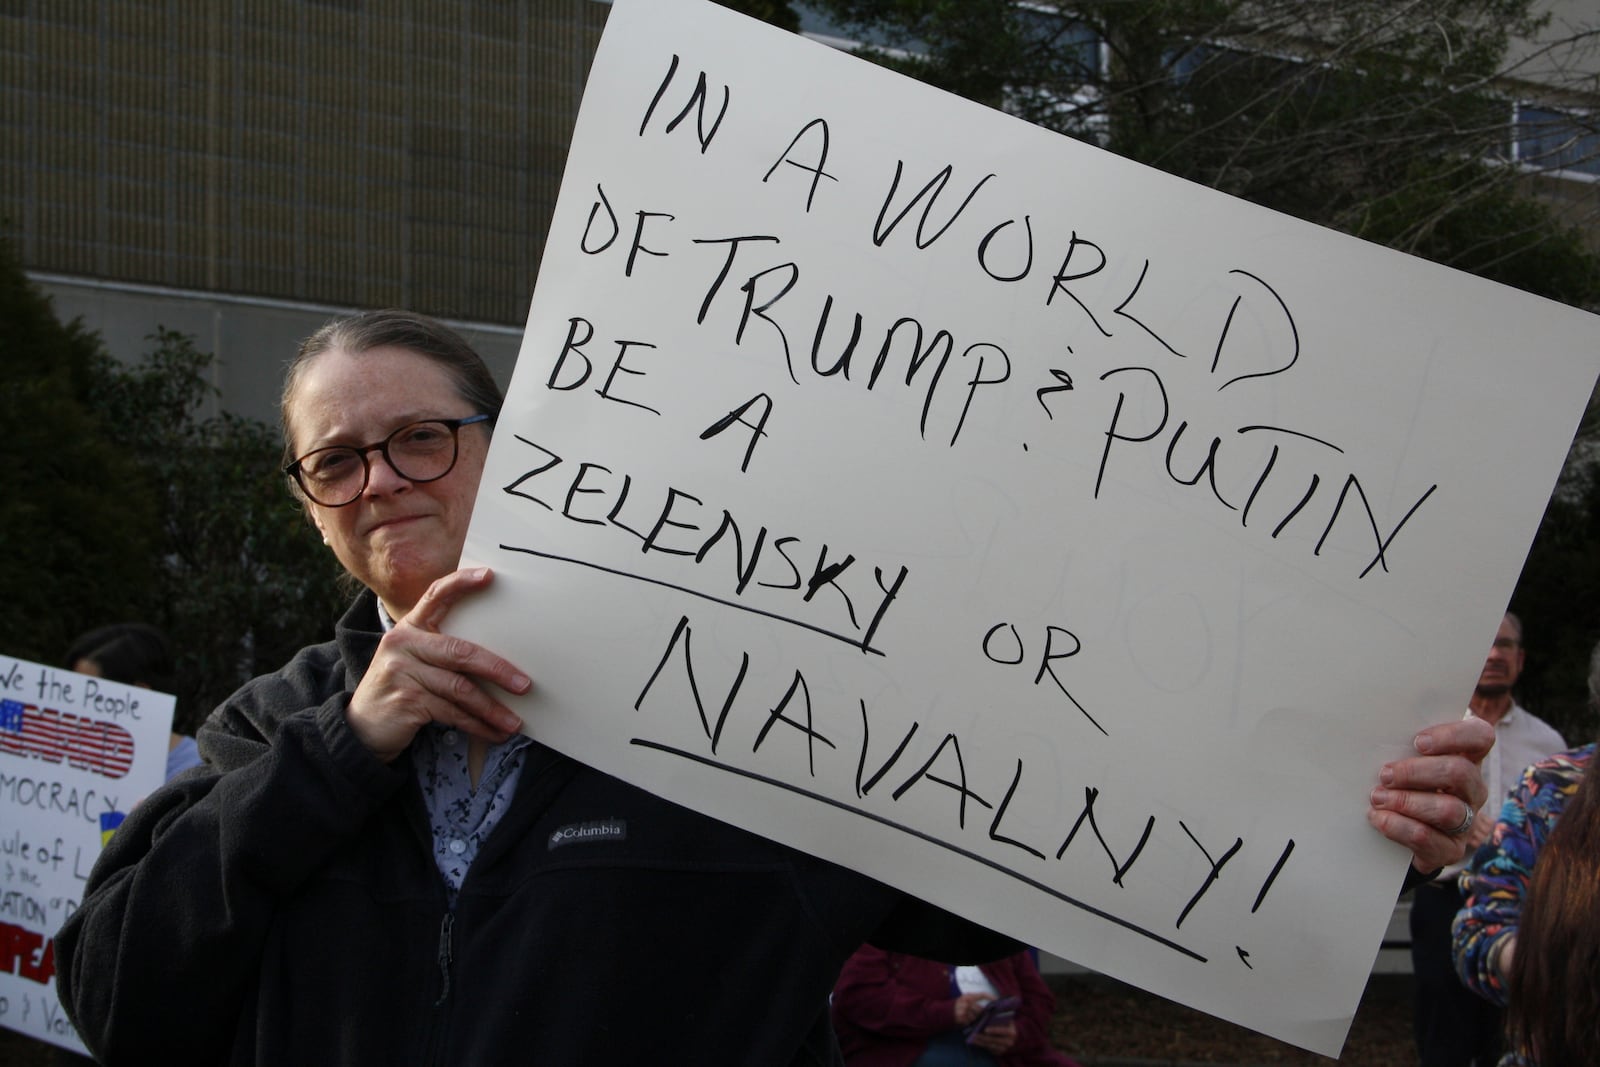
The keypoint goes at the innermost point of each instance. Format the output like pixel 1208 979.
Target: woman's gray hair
pixel 368 330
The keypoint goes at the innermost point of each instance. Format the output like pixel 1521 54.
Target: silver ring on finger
pixel 1466 821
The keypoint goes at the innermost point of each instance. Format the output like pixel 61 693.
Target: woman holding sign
pixel 374 866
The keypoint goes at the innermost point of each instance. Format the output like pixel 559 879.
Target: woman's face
pixel 398 536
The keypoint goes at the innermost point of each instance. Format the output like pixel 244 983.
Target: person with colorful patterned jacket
pixel 1496 881
pixel 1536 882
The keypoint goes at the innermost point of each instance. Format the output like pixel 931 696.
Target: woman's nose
pixel 381 476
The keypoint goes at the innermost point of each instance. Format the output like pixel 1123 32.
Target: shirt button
pixel 458 846
pixel 451 738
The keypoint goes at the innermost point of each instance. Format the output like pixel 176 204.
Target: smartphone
pixel 1001 1010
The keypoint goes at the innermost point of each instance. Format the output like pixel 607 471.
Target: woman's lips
pixel 393 521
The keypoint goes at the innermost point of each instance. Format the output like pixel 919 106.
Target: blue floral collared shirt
pixel 461 817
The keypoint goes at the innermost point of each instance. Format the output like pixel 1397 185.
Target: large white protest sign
pixel 1057 540
pixel 76 753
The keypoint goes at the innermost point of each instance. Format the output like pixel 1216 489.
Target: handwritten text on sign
pixel 76 752
pixel 1059 541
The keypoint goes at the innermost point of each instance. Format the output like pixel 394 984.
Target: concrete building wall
pixel 252 337
pixel 1564 56
pixel 353 152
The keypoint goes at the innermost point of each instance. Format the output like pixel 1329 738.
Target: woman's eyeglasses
pixel 418 452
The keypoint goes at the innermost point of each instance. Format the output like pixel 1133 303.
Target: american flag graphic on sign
pixel 54 736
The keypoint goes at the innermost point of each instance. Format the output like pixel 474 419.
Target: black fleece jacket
pixel 280 906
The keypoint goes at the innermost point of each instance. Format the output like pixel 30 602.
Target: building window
pixel 1545 139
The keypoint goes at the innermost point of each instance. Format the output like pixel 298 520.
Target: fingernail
pixel 1424 743
pixel 1386 776
pixel 1381 797
pixel 481 573
pixel 521 683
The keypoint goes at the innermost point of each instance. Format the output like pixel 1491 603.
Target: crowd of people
pixel 362 868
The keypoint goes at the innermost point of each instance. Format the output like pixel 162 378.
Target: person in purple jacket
pixel 894 1010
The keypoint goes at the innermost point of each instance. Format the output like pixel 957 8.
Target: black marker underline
pixel 852 642
pixel 991 864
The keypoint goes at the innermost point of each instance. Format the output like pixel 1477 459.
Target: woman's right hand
pixel 420 675
pixel 968 1006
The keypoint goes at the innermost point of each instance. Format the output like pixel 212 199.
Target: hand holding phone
pixel 1001 1010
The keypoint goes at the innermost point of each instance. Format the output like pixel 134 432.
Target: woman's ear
pixel 316 520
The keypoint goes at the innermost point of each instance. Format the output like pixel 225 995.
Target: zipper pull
pixel 445 929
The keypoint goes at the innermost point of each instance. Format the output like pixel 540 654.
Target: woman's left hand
pixel 420 675
pixel 1425 799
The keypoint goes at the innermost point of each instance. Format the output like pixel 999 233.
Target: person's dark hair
pixel 1594 680
pixel 133 653
pixel 398 329
pixel 1553 984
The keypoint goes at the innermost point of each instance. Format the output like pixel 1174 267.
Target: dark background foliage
pixel 124 502
pixel 75 525
pixel 1558 600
